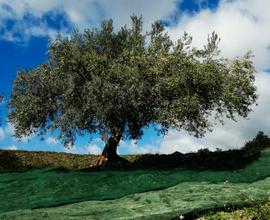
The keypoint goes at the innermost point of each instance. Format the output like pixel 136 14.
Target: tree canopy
pixel 118 82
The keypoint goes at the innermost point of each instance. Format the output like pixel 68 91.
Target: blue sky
pixel 27 26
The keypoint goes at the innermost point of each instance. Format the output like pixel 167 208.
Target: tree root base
pixel 116 163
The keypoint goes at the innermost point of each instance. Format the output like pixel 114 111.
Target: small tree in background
pixel 117 83
pixel 260 142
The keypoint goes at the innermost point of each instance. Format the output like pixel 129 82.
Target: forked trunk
pixel 109 158
pixel 109 151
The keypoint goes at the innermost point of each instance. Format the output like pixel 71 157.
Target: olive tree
pixel 116 83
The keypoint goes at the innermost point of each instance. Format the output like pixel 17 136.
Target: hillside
pixel 138 194
pixel 17 160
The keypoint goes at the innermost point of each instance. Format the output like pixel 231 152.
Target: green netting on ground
pixel 163 204
pixel 193 190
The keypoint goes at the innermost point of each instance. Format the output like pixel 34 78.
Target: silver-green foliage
pixel 106 81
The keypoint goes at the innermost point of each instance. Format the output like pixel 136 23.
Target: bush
pixel 260 142
pixel 203 151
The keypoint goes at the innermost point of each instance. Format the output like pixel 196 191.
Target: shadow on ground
pixel 203 160
pixel 9 161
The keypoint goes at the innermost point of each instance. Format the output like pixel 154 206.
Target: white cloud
pixel 13 147
pixel 242 25
pixel 52 141
pixel 232 134
pixel 72 150
pixel 133 148
pixel 81 14
pixel 93 149
pixel 10 130
pixel 26 139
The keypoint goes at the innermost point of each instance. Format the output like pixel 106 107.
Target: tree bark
pixel 109 151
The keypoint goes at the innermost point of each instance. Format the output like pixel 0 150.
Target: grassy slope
pixel 242 214
pixel 190 191
pixel 203 160
pixel 256 211
pixel 22 160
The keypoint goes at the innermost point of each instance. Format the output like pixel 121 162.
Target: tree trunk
pixel 109 151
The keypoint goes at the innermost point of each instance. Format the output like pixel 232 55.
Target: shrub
pixel 260 142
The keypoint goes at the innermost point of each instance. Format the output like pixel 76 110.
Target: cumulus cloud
pixel 242 25
pixel 10 130
pixel 30 16
pixel 72 150
pixel 129 147
pixel 12 147
pixel 133 148
pixel 52 141
pixel 232 134
pixel 93 149
pixel 89 149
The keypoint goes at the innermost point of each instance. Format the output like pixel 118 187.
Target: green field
pixel 149 194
